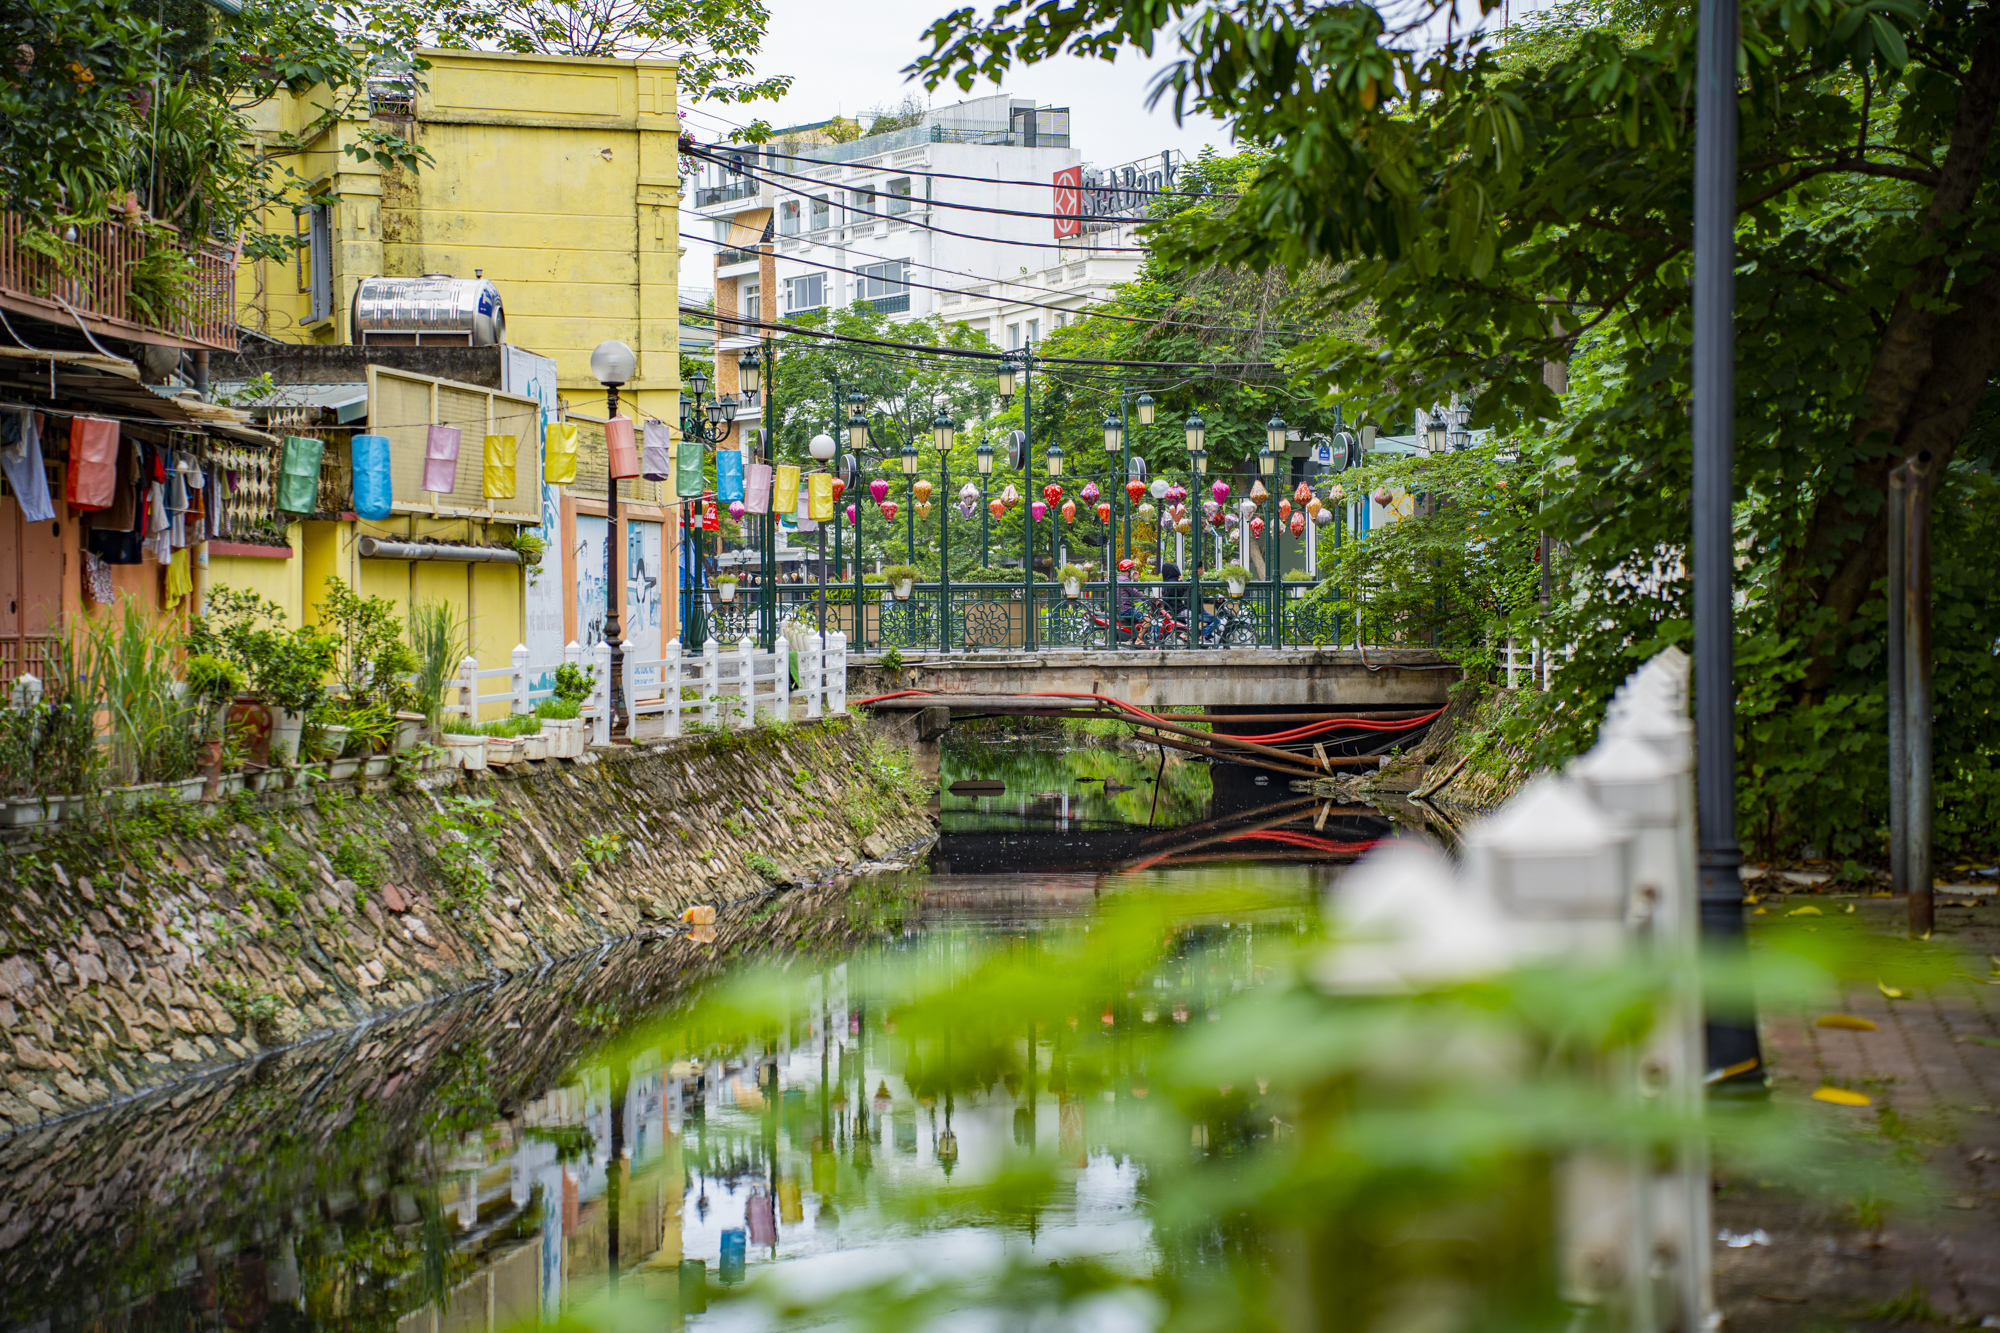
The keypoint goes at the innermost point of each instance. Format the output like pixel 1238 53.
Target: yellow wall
pixel 558 176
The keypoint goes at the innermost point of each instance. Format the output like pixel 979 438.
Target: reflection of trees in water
pixel 1035 761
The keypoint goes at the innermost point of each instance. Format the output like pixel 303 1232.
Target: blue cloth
pixel 373 491
pixel 728 476
pixel 21 459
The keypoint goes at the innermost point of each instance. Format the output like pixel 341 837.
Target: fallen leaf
pixel 1842 1097
pixel 1805 911
pixel 1892 992
pixel 1851 1022
pixel 1850 909
pixel 1759 912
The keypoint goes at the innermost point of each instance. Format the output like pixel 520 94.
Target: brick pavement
pixel 1932 1068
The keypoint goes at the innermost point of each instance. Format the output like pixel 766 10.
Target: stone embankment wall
pixel 140 946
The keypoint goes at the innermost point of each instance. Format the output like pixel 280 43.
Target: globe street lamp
pixel 613 364
pixel 1267 466
pixel 943 428
pixel 823 448
pixel 1197 432
pixel 984 457
pixel 908 458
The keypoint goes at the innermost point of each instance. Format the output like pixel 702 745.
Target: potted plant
pixel 901 578
pixel 562 714
pixel 1072 577
pixel 725 587
pixel 1237 577
pixel 409 733
pixel 437 639
pixel 211 684
pixel 465 743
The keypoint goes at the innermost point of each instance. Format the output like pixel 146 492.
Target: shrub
pixel 370 657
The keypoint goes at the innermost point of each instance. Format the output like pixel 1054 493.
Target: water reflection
pixel 472 1167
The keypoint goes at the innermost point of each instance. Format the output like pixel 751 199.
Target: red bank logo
pixel 1069 201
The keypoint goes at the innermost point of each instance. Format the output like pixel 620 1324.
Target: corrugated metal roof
pixel 111 385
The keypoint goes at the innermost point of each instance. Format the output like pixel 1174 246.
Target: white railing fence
pixel 1594 865
pixel 741 686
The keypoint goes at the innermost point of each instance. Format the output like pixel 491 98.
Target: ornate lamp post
pixel 1014 367
pixel 1197 432
pixel 984 455
pixel 1056 534
pixel 942 430
pixel 857 441
pixel 1114 458
pixel 909 459
pixel 1267 467
pixel 823 449
pixel 705 427
pixel 613 364
pixel 1437 433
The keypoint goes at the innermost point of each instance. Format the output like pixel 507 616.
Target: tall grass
pixel 437 635
pixel 49 748
pixel 129 672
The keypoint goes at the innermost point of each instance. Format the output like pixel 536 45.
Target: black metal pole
pixel 1899 752
pixel 944 552
pixel 767 604
pixel 1028 480
pixel 1917 689
pixel 614 634
pixel 1732 1038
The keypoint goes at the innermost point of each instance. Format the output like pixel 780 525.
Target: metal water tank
pixel 434 310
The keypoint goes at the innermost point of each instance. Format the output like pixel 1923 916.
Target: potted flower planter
pixel 467 752
pixel 344 768
pixel 333 741
pixel 502 749
pixel 725 592
pixel 1072 588
pixel 409 732
pixel 535 747
pixel 565 736
pixel 286 726
pixel 376 766
pixel 19 811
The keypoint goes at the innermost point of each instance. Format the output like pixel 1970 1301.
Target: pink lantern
pixel 1256 527
pixel 1220 490
pixel 1382 497
pixel 1089 493
pixel 878 490
pixel 1038 511
pixel 850 516
pixel 736 509
pixel 889 510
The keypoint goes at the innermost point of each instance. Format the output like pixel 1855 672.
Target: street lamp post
pixel 942 430
pixel 1197 432
pixel 857 441
pixel 984 455
pixel 1014 368
pixel 613 364
pixel 1115 448
pixel 910 461
pixel 1267 466
pixel 1056 533
pixel 823 449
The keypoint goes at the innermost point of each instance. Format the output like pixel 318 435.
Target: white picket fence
pixel 738 688
pixel 1535 663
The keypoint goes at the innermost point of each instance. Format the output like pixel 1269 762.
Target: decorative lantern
pixel 968 506
pixel 878 490
pixel 1256 527
pixel 736 510
pixel 852 518
pixel 1298 525
pixel 1258 493
pixel 839 488
pixel 1089 493
pixel 889 510
pixel 1302 494
pixel 1246 507
pixel 1134 490
pixel 1103 511
pixel 1336 492
pixel 1220 491
pixel 923 509
pixel 1052 493
pixel 1184 526
pixel 997 508
pixel 922 490
pixel 1313 507
pixel 1010 496
pixel 968 492
pixel 1069 511
pixel 1284 509
pixel 1382 496
pixel 1147 513
pixel 1038 511
pixel 1177 493
pixel 1323 517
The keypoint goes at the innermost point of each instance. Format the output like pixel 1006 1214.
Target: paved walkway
pixel 1932 1069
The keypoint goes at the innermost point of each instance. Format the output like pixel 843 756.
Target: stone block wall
pixel 143 945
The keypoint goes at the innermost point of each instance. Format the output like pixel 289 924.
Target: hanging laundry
pixel 559 454
pixel 21 460
pixel 497 478
pixel 96 579
pixel 179 584
pixel 298 474
pixel 658 461
pixel 93 462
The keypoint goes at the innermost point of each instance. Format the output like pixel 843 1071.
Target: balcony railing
pixel 891 305
pixel 724 258
pixel 705 195
pixel 123 280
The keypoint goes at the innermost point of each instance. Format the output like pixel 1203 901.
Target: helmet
pixel 1128 565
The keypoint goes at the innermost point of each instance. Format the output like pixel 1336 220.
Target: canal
pixel 950 1087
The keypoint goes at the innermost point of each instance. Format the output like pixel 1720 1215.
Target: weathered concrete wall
pixel 1266 677
pixel 145 945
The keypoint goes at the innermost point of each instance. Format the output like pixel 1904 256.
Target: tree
pixel 1505 213
pixel 713 40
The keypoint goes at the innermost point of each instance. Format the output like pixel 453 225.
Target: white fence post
pixel 746 680
pixel 27 690
pixel 572 654
pixel 836 676
pixel 1512 651
pixel 711 680
pixel 781 680
pixel 519 680
pixel 671 682
pixel 600 695
pixel 630 662
pixel 468 688
pixel 812 672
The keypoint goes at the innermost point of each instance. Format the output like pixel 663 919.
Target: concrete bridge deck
pixel 1158 678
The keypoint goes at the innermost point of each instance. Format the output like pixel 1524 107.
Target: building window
pixel 899 195
pixel 322 262
pixel 788 217
pixel 1034 330
pixel 750 304
pixel 1061 319
pixel 882 286
pixel 861 206
pixel 821 215
pixel 807 293
pixel 1013 337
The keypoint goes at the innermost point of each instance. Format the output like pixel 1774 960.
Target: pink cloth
pixel 441 458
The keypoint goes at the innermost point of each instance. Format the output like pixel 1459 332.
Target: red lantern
pixel 1284 509
pixel 997 508
pixel 1135 489
pixel 839 488
pixel 889 510
pixel 1256 527
pixel 1052 492
pixel 1069 511
pixel 1302 494
pixel 1298 525
pixel 1103 511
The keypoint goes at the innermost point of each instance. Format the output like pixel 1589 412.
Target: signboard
pixel 711 521
pixel 1111 195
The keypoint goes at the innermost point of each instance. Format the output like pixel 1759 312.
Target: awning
pixel 348 402
pixel 111 385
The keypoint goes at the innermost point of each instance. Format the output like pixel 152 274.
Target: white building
pixel 806 223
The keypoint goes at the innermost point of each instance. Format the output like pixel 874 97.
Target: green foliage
pixel 895 574
pixel 370 658
pixel 370 726
pixel 289 667
pixel 437 639
pixel 359 858
pixel 50 748
pixel 463 849
pixel 129 663
pixel 602 849
pixel 557 710
pixel 573 684
pixel 514 724
pixel 764 867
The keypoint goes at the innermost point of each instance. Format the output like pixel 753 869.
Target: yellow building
pixel 556 179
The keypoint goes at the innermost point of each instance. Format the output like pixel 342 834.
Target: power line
pixel 964 235
pixel 975 354
pixel 1039 305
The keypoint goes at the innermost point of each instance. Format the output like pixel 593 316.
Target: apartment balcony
pixel 706 196
pixel 891 305
pixel 117 280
